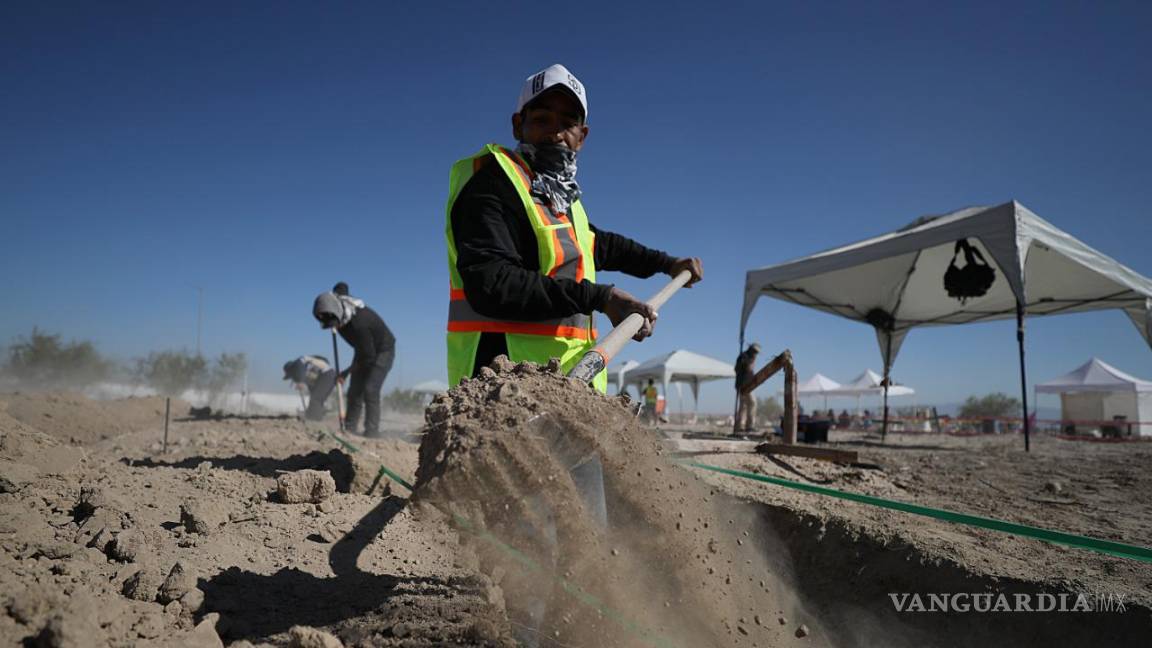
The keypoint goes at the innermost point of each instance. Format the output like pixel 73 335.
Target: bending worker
pixel 375 348
pixel 522 257
pixel 317 376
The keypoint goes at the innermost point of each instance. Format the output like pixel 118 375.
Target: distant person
pixel 845 420
pixel 746 403
pixel 375 348
pixel 651 398
pixel 314 374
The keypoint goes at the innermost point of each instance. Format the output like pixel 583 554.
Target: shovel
pixel 594 361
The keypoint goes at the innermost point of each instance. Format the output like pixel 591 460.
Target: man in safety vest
pixel 522 256
pixel 651 398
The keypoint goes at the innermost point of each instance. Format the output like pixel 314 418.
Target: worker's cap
pixel 288 370
pixel 553 75
pixel 754 347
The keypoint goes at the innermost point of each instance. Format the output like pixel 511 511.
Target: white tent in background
pixel 1096 392
pixel 617 375
pixel 870 383
pixel 895 282
pixel 681 366
pixel 818 385
pixel 430 387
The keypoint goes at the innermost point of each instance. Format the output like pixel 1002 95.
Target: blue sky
pixel 263 151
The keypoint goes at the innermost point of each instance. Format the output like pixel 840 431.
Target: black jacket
pixel 497 256
pixel 745 369
pixel 367 333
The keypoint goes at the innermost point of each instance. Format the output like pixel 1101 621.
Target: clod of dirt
pixel 70 630
pixel 1054 486
pixel 305 486
pixel 32 604
pixel 91 498
pixel 203 635
pixel 127 546
pixel 150 625
pixel 802 631
pixel 15 476
pixel 142 585
pixel 178 583
pixel 308 637
pixel 201 518
pixel 192 601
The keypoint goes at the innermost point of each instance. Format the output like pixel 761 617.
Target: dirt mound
pixel 675 566
pixel 79 420
pixel 122 546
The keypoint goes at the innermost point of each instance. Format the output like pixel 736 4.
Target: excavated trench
pixel 684 560
pixel 848 580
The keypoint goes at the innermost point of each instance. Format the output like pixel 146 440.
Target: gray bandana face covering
pixel 554 166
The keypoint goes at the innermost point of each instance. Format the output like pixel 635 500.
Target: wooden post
pixel 790 397
pixel 167 413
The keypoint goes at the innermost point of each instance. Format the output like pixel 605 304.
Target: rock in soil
pixel 312 486
pixel 308 637
pixel 201 518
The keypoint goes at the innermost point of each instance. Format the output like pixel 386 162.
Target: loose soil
pixel 106 541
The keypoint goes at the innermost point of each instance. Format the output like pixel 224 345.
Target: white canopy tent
pixel 430 387
pixel 1096 392
pixel 894 282
pixel 617 375
pixel 818 385
pixel 681 367
pixel 870 383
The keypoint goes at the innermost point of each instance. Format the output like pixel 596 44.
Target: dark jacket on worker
pixel 498 262
pixel 745 369
pixel 367 333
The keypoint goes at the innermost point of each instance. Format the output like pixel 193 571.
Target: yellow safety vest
pixel 564 247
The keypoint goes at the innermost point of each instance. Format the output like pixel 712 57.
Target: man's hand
pixel 692 265
pixel 621 304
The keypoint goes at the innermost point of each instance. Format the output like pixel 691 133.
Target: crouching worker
pixel 375 348
pixel 314 375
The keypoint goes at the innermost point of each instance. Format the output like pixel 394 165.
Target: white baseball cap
pixel 553 75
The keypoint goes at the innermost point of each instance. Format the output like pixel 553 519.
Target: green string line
pixel 571 588
pixel 1119 549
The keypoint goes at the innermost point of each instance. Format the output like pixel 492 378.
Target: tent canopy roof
pixel 1094 376
pixel 870 383
pixel 430 387
pixel 683 366
pixel 817 385
pixel 617 373
pixel 898 277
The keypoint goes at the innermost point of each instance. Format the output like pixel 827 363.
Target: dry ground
pixel 91 569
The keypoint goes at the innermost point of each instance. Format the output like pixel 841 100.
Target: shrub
pixel 989 406
pixel 42 360
pixel 404 400
pixel 769 410
pixel 172 372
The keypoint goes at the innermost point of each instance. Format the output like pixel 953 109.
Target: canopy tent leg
pixel 887 380
pixel 736 404
pixel 884 428
pixel 1023 376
